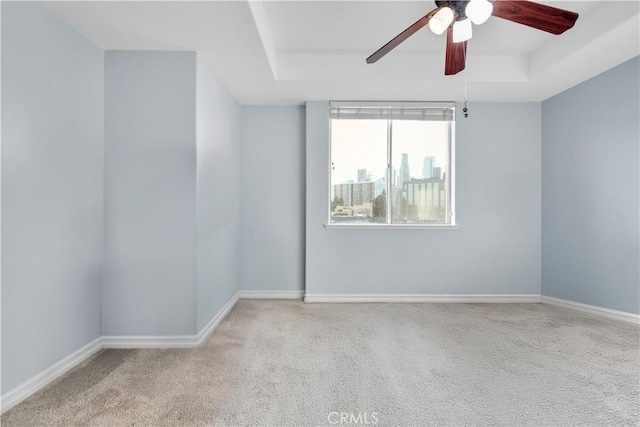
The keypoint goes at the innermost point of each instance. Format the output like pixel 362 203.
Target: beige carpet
pixel 289 363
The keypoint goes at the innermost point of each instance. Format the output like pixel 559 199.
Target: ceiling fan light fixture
pixel 462 31
pixel 535 15
pixel 478 11
pixel 441 20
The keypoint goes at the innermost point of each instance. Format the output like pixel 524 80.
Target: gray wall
pixel 52 180
pixel 218 193
pixel 496 250
pixel 150 193
pixel 272 198
pixel 590 190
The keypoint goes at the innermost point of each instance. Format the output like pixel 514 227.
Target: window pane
pixel 420 158
pixel 358 171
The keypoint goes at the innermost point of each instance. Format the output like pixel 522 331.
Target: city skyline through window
pixel 390 170
pixel 362 144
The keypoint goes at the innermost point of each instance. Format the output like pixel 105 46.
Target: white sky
pixel 362 144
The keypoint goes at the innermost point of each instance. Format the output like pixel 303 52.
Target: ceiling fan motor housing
pixel 458 7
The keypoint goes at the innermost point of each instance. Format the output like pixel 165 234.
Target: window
pixel 391 163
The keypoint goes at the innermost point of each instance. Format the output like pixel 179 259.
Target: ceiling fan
pixel 455 17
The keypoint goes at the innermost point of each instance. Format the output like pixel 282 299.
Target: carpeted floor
pixel 290 363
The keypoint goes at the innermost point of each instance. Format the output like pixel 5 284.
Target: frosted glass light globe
pixel 441 20
pixel 462 31
pixel 478 11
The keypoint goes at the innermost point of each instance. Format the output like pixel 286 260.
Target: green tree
pixel 337 201
pixel 380 205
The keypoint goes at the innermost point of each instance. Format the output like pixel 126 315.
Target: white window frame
pixel 452 224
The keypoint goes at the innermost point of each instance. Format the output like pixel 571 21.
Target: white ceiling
pixel 288 52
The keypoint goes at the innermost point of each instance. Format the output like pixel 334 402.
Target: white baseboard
pixel 593 309
pixel 26 389
pixel 432 298
pixel 186 341
pixel 149 341
pixel 271 294
pixel 206 331
pixel 170 341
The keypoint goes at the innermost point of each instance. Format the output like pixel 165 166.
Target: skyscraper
pixel 427 168
pixel 380 186
pixel 364 175
pixel 405 176
pixel 437 172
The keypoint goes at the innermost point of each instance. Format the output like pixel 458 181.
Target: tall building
pixel 380 186
pixel 427 167
pixel 364 175
pixel 424 200
pixel 355 193
pixel 437 173
pixel 343 192
pixel 363 193
pixel 405 176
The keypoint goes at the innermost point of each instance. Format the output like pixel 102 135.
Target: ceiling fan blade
pixel 400 37
pixel 535 15
pixel 455 56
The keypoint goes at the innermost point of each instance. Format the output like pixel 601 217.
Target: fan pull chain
pixel 465 110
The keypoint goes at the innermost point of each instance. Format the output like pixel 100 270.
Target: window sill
pixel 392 226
